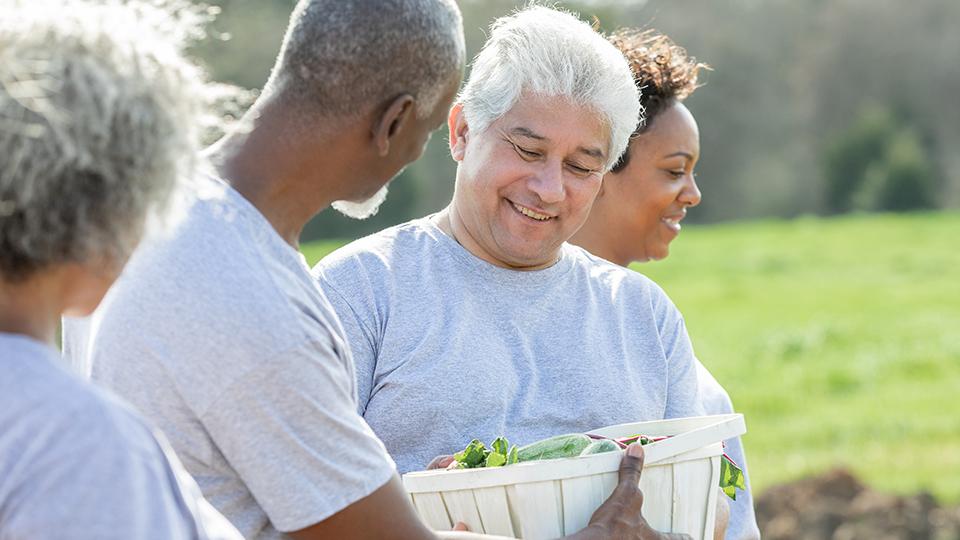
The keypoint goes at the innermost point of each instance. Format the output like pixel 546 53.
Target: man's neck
pixel 279 174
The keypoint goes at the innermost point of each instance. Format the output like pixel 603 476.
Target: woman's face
pixel 644 203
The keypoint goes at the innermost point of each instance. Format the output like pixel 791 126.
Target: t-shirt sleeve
pixel 290 430
pixel 360 338
pixel 682 385
pixel 99 481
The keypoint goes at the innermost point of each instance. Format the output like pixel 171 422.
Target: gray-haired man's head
pixel 549 52
pixel 340 58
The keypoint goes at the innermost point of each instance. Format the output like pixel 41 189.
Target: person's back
pixel 192 310
pixel 73 458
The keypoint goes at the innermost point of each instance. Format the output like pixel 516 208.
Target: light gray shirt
pixel 77 463
pixel 449 348
pixel 743 520
pixel 219 334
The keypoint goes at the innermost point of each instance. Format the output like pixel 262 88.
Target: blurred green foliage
pixel 787 76
pixel 878 164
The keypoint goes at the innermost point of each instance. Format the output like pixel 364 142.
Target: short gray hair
pixel 99 114
pixel 550 52
pixel 341 57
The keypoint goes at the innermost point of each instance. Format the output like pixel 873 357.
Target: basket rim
pixel 692 438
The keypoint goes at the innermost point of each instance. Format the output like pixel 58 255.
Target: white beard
pixel 362 209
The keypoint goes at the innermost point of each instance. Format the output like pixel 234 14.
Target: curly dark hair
pixel 663 71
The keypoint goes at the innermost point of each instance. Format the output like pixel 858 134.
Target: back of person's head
pixel 99 114
pixel 340 59
pixel 548 52
pixel 663 71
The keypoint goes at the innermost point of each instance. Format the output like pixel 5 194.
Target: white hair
pixel 100 113
pixel 341 58
pixel 550 52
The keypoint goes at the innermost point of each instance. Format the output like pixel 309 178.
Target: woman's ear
pixel 391 121
pixel 459 132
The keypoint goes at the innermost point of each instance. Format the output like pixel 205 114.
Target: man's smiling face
pixel 526 183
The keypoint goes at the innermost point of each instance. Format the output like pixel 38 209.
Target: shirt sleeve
pixel 682 385
pixel 360 338
pixel 743 519
pixel 290 430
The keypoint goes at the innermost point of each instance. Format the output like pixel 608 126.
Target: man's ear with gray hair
pixel 398 113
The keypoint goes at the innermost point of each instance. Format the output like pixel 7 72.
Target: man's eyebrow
pixel 592 152
pixel 530 134
pixel 526 132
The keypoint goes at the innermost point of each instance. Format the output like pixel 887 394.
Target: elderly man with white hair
pixel 480 320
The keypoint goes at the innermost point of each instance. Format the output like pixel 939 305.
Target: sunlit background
pixel 820 277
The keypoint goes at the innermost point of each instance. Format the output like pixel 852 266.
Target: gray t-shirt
pixel 743 520
pixel 219 334
pixel 75 462
pixel 449 348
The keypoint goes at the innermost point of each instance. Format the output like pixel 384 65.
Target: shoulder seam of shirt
pixel 335 290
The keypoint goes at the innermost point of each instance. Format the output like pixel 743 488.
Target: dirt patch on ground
pixel 837 506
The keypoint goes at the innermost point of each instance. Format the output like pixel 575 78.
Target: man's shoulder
pixel 610 276
pixel 387 251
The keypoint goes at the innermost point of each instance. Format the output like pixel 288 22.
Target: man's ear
pixel 459 131
pixel 397 114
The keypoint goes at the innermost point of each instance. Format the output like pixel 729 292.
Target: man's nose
pixel 548 184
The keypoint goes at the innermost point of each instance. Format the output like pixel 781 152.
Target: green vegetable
pixel 731 477
pixel 561 446
pixel 600 447
pixel 476 455
pixel 473 456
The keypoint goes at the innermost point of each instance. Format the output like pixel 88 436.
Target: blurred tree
pixel 901 180
pixel 848 157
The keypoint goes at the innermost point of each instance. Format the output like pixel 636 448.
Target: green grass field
pixel 838 339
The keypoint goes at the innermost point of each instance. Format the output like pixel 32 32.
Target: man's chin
pixel 362 209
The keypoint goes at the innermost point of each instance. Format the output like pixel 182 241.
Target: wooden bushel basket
pixel 552 498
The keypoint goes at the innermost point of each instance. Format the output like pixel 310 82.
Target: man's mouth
pixel 532 214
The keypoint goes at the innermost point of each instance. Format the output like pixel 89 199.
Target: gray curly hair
pixel 100 114
pixel 339 58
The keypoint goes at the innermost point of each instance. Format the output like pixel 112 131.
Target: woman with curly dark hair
pixel 638 210
pixel 647 193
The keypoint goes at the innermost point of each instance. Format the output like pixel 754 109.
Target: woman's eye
pixel 677 174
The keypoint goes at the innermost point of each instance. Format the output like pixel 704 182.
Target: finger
pixel 461 526
pixel 440 462
pixel 631 465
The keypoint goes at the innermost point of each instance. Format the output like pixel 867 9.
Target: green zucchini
pixel 600 447
pixel 561 446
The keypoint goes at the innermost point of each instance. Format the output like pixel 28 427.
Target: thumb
pixel 630 466
pixel 460 526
